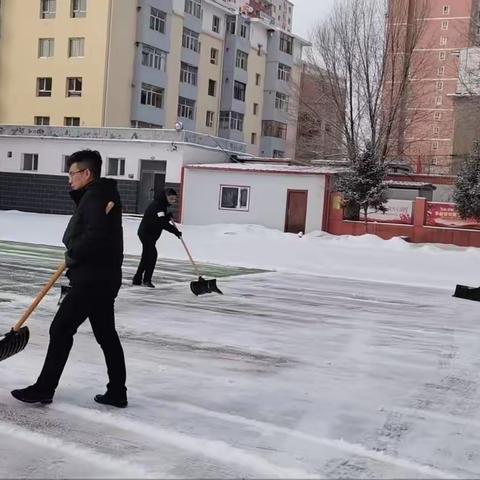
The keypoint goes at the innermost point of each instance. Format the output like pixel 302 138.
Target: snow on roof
pixel 400 184
pixel 266 168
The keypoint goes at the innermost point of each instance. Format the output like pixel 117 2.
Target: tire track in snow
pixel 120 468
pixel 342 445
pixel 444 417
pixel 217 450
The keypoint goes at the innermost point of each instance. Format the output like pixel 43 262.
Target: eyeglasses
pixel 71 174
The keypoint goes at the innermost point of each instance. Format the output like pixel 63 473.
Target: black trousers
pixel 81 303
pixel 149 258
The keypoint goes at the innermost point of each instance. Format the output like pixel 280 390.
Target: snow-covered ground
pixel 347 358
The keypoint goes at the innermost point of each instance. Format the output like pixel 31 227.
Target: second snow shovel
pixel 201 286
pixel 17 338
pixel 468 293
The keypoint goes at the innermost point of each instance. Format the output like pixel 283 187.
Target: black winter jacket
pixel 157 218
pixel 94 239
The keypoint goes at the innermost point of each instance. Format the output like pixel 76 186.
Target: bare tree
pixel 364 53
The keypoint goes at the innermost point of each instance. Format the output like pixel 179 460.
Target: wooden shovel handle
pixel 40 296
pixel 49 284
pixel 197 271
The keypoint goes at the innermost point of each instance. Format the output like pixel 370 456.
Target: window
pixel 116 167
pixel 76 47
pixel 42 120
pixel 446 9
pixel 272 128
pixel 440 85
pixel 74 87
pixel 186 108
pixel 190 40
pixel 436 130
pixel 437 115
pixel 231 120
pixel 210 119
pixel 444 25
pixel 284 72
pixel 286 43
pixel 231 25
pixel 441 70
pixel 438 100
pixel 241 60
pixel 71 121
pixel 243 30
pixel 193 7
pixel 151 95
pixel 258 78
pixel 154 57
pixel 253 138
pixel 234 198
pixel 48 8
pixel 188 74
pixel 255 108
pixel 216 24
pixel 239 90
pixel 78 8
pixel 30 162
pixel 46 47
pixel 278 154
pixel 158 20
pixel 441 56
pixel 434 145
pixel 281 102
pixel 44 87
pixel 214 56
pixel 65 166
pixel 443 41
pixel 212 87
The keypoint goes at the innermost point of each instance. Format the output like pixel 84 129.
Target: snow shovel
pixel 17 338
pixel 201 286
pixel 468 293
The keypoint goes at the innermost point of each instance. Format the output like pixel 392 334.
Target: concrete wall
pixel 268 197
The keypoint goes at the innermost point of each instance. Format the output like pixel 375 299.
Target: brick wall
pixel 49 193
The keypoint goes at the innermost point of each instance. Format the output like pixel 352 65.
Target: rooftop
pixel 266 168
pixel 134 134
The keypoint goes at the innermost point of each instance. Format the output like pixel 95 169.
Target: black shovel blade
pixel 13 342
pixel 468 293
pixel 202 286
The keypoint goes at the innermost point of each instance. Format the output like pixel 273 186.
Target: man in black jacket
pixel 155 219
pixel 94 256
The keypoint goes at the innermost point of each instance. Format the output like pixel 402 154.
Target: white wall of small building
pixel 268 197
pixel 51 152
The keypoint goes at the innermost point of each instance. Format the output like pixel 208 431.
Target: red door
pixel 296 215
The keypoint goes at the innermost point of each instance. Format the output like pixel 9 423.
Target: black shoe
pixel 107 399
pixel 136 281
pixel 32 395
pixel 148 284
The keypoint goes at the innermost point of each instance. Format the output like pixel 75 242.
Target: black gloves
pixel 178 234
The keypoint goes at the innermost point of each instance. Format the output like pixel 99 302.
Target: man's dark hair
pixel 87 159
pixel 170 191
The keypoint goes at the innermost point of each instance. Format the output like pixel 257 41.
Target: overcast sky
pixel 307 12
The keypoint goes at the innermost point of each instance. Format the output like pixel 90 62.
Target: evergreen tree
pixel 363 186
pixel 467 188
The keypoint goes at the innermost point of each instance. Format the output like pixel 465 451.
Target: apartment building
pixel 431 112
pixel 213 65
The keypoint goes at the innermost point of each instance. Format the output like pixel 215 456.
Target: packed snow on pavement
pixel 327 357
